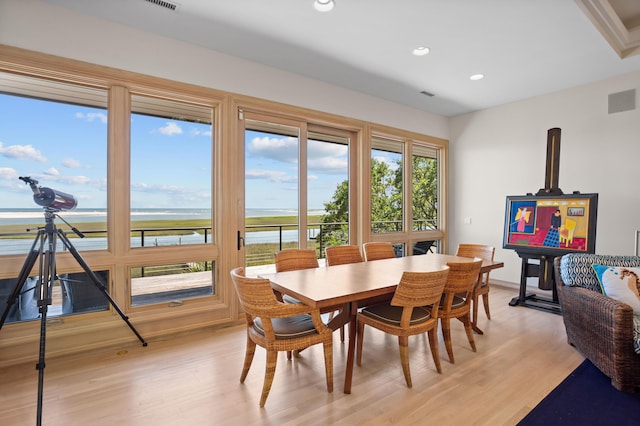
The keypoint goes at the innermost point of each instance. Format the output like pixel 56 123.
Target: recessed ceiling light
pixel 420 51
pixel 323 5
pixel 477 77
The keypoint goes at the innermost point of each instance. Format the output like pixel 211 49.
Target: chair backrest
pixel 476 250
pixel 378 250
pixel 340 255
pixel 462 276
pixel 482 251
pixel 295 259
pixel 255 294
pixel 420 288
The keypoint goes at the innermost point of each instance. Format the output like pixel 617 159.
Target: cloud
pixel 270 175
pixel 22 152
pixel 7 173
pixel 279 149
pixel 198 132
pixel 52 171
pixel 92 116
pixel 171 129
pixel 70 163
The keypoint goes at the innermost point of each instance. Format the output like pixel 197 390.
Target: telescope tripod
pixel 44 248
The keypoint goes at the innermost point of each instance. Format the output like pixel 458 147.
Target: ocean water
pixel 36 216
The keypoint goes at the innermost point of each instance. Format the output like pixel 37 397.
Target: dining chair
pixel 456 300
pixel 342 255
pixel 405 315
pixel 484 252
pixel 294 260
pixel 278 326
pixel 375 250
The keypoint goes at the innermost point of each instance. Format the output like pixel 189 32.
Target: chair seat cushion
pixel 458 302
pixel 290 299
pixel 289 327
pixel 392 314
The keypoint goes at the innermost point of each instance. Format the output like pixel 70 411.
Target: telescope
pixel 50 198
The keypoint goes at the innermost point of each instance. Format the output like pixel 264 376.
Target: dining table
pixel 345 288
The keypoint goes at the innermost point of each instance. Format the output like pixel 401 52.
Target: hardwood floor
pixel 194 380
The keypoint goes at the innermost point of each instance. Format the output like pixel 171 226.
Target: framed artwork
pixel 551 224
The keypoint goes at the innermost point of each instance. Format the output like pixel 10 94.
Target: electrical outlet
pixel 467 221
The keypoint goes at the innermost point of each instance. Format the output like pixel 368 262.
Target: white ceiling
pixel 525 48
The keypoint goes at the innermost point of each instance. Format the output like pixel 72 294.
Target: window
pixel 171 157
pixel 424 188
pixel 328 190
pixel 55 133
pixel 387 171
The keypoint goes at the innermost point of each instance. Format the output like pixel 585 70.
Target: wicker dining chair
pixel 405 315
pixel 342 255
pixel 278 326
pixel 484 252
pixel 376 250
pixel 294 260
pixel 456 301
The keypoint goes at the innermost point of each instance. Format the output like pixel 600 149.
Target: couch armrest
pixel 600 327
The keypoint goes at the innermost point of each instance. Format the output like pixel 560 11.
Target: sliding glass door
pixel 296 188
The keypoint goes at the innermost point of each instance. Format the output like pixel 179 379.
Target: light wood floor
pixel 194 380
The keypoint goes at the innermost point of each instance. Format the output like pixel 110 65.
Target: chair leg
pixel 446 335
pixel 328 363
pixel 269 373
pixel 404 358
pixel 248 358
pixel 485 301
pixel 433 344
pixel 469 330
pixel 359 338
pixel 474 319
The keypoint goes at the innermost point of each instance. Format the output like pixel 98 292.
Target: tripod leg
pixel 98 284
pixel 45 286
pixel 22 278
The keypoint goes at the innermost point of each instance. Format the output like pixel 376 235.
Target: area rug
pixel 586 397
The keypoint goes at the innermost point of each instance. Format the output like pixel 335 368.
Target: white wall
pixel 502 151
pixel 42 27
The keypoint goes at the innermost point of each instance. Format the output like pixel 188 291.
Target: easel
pixel 544 269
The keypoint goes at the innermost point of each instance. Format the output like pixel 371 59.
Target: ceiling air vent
pixel 163 3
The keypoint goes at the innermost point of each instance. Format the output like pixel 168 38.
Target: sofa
pixel 598 326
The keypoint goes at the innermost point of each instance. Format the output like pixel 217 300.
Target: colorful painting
pixel 549 224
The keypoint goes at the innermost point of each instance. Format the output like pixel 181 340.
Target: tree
pixel 386 200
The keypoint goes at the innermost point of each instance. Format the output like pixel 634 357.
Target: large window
pixel 56 135
pixel 171 196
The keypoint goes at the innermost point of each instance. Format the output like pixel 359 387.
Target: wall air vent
pixel 163 3
pixel 424 92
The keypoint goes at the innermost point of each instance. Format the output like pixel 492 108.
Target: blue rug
pixel 586 397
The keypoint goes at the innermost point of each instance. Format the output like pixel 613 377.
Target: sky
pixel 64 147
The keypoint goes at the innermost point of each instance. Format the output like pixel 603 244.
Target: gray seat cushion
pixel 391 314
pixel 289 327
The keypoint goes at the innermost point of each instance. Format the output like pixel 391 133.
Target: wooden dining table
pixel 348 287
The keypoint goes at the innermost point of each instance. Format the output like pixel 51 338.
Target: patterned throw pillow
pixel 622 283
